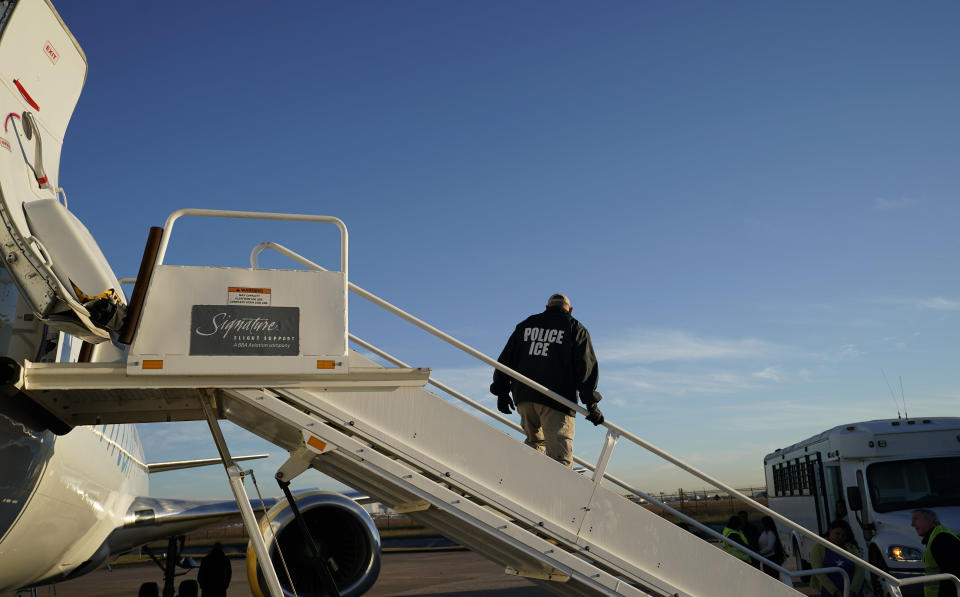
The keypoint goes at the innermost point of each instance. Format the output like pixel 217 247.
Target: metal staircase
pixel 383 434
pixel 376 429
pixel 424 456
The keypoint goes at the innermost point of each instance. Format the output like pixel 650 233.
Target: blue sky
pixel 752 206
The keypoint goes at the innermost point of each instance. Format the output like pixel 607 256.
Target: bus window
pixel 910 484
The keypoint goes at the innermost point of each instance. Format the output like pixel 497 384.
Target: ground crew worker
pixel 215 572
pixel 734 532
pixel 942 553
pixel 830 584
pixel 553 349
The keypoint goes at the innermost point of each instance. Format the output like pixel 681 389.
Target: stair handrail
pixel 619 431
pixel 606 475
pixel 253 215
pixel 609 476
pixel 915 580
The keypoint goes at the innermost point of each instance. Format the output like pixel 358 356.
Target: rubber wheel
pixel 149 589
pixel 188 588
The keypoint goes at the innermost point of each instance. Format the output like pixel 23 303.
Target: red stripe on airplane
pixel 26 95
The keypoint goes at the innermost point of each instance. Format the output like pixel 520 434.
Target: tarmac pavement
pixel 408 574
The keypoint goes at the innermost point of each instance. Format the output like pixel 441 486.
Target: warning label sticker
pixel 241 295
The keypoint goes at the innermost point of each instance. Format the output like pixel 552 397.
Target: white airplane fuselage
pixel 76 491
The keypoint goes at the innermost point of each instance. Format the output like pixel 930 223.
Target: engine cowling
pixel 345 534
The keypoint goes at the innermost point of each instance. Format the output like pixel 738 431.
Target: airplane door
pixel 52 258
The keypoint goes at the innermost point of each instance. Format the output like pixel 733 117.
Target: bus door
pixel 818 491
pixel 835 500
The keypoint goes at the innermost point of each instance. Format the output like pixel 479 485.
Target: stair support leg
pixel 235 476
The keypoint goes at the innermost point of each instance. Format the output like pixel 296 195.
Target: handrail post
pixel 807 573
pixel 609 442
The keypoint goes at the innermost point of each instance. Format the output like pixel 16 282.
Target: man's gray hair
pixel 928 514
pixel 558 300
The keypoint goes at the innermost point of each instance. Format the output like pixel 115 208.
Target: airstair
pixel 268 349
pixel 219 341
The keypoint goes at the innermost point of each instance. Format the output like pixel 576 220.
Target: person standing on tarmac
pixel 553 349
pixel 734 532
pixel 215 572
pixel 942 553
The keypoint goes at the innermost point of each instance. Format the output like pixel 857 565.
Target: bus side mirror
pixel 853 499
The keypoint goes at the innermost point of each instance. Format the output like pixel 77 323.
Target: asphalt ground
pixel 405 574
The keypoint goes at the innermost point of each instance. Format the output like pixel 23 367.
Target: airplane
pixel 72 498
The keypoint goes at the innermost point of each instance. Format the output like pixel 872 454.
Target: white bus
pixel 871 474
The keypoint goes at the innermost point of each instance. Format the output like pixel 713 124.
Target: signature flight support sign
pixel 244 330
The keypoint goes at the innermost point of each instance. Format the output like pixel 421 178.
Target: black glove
pixel 594 415
pixel 505 404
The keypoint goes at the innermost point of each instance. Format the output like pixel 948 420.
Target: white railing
pixel 613 433
pixel 253 215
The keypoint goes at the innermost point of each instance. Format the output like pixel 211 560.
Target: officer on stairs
pixel 553 349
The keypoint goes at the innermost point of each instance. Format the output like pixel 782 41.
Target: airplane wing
pixel 175 465
pixel 151 518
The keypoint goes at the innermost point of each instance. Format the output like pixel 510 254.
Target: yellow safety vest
pixel 731 549
pixel 930 565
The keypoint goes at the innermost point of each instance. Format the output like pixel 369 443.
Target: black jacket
pixel 214 574
pixel 946 551
pixel 554 349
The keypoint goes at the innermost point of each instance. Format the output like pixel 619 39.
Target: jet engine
pixel 344 533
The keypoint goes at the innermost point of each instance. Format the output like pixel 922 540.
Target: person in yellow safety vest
pixel 734 532
pixel 942 553
pixel 831 584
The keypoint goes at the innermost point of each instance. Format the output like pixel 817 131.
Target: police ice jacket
pixel 554 349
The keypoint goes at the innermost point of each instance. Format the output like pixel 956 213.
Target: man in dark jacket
pixel 553 349
pixel 215 572
pixel 942 553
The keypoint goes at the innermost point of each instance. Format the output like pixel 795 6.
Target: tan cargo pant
pixel 548 430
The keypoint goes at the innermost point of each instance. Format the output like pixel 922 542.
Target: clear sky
pixel 753 206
